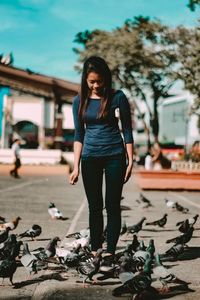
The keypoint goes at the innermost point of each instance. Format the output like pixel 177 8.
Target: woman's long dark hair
pixel 97 65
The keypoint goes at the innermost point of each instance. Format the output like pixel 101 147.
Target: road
pixel 29 197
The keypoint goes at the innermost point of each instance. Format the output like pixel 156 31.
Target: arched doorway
pixel 28 131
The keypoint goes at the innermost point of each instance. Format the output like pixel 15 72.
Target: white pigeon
pixel 54 212
pixel 170 203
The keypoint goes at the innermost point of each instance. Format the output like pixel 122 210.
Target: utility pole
pixel 58 137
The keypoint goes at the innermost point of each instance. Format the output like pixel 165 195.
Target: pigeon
pixel 125 207
pixel 2 220
pixel 54 212
pixel 183 238
pixel 151 248
pixel 137 227
pixel 48 251
pixel 161 222
pixel 8 267
pixel 180 208
pixel 8 59
pixel 141 246
pixel 191 220
pixel 173 252
pixel 169 203
pixel 125 269
pixel 146 202
pixel 79 234
pixel 164 275
pixel 112 273
pixel 4 235
pixel 184 227
pixel 140 257
pixel 150 293
pixel 121 270
pixel 12 224
pixel 33 232
pixel 135 243
pixel 90 268
pixel 124 228
pixel 120 254
pixel 10 245
pixel 76 256
pixel 31 263
pixel 72 258
pixel 137 284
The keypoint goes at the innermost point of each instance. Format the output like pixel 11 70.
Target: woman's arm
pixel 78 141
pixel 129 151
pixel 125 116
pixel 73 178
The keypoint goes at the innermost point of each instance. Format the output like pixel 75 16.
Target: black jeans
pixel 17 166
pixel 93 169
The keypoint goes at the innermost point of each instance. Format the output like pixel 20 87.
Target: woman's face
pixel 95 84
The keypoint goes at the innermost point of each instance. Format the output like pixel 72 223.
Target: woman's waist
pixel 103 150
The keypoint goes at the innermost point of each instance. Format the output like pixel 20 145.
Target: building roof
pixel 37 84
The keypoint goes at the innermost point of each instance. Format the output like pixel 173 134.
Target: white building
pixel 35 107
pixel 177 125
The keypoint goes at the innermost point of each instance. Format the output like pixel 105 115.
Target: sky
pixel 40 33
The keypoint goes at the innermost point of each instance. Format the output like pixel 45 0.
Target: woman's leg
pixel 114 174
pixel 92 174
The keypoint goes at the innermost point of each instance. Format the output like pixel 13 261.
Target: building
pixel 178 125
pixel 36 108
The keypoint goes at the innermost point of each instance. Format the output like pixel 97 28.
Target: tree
pixel 188 41
pixel 141 56
pixel 192 4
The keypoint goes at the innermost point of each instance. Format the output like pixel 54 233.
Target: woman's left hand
pixel 128 172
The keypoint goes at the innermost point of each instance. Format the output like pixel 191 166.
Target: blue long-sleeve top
pixel 102 137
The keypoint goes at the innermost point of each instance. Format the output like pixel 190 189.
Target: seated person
pixel 158 159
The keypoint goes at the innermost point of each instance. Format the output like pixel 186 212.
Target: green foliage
pixel 192 4
pixel 188 41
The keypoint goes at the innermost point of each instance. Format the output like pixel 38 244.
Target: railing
pixel 185 166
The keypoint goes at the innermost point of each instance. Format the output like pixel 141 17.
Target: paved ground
pixel 29 197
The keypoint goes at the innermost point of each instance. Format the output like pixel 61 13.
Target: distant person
pixel 99 146
pixel 194 155
pixel 159 160
pixel 16 151
pixel 148 163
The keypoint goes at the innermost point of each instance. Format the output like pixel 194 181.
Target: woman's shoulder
pixel 119 94
pixel 120 98
pixel 76 99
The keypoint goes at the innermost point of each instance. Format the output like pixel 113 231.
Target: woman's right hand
pixel 73 177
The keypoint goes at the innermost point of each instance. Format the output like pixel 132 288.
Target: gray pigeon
pixel 4 235
pixel 33 232
pixel 48 251
pixel 164 275
pixel 8 267
pixel 31 262
pixel 89 269
pixel 136 227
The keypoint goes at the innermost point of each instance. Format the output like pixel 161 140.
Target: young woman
pixel 99 146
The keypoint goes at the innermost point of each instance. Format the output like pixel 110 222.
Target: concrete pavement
pixel 29 197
